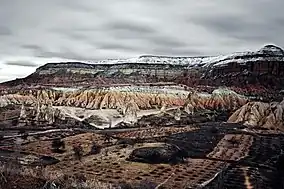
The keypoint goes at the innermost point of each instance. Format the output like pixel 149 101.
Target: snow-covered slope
pixel 267 53
pixel 150 59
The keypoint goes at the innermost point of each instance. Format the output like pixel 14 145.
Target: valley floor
pixel 215 155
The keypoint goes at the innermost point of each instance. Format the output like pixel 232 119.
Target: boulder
pixel 158 154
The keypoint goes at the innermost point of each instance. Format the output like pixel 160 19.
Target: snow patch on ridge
pixel 267 53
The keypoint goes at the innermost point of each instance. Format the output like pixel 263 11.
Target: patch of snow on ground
pixel 65 89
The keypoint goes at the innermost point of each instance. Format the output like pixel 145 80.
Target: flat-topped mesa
pixel 82 74
pixel 263 67
pixel 64 65
pixel 142 62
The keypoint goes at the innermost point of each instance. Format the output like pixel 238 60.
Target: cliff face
pixel 80 74
pixel 264 67
pixel 246 71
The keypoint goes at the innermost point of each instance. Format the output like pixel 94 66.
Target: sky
pixel 34 32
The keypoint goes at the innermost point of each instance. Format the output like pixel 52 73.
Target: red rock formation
pixel 259 114
pixel 221 99
pixel 94 99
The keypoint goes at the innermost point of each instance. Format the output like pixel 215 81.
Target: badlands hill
pixel 259 114
pixel 118 102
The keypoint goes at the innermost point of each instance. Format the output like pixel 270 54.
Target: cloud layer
pixel 39 30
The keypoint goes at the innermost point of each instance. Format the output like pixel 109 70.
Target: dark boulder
pixel 160 154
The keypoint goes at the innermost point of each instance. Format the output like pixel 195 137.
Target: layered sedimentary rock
pixel 220 99
pixel 16 99
pixel 82 74
pixel 105 108
pixel 95 99
pixel 263 67
pixel 259 114
pixel 127 102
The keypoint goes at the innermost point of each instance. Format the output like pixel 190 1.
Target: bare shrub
pixel 76 181
pixel 78 152
pixel 58 146
pixel 12 176
pixel 95 149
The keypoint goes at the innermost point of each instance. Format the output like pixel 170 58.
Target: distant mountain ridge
pixel 271 51
pixel 261 68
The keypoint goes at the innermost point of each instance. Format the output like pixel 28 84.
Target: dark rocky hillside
pixel 263 67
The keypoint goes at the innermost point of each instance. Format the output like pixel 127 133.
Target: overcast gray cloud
pixel 33 32
pixel 5 31
pixel 20 63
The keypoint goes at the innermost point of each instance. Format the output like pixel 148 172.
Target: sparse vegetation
pixel 76 181
pixel 58 146
pixel 145 136
pixel 233 141
pixel 78 151
pixel 27 178
pixel 95 149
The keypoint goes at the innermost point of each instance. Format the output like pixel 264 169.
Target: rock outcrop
pixel 128 102
pixel 220 99
pixel 259 114
pixel 16 99
pixel 95 99
pixel 41 113
pixel 264 67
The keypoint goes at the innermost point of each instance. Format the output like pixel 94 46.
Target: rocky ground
pixel 199 150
